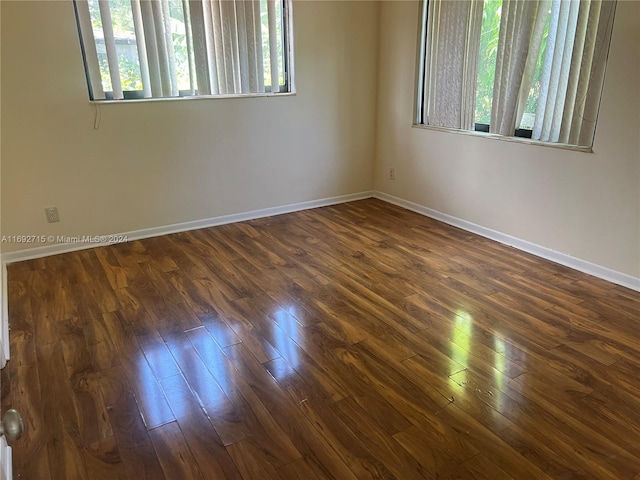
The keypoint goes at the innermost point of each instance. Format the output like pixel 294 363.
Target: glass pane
pixel 264 22
pixel 178 58
pixel 264 17
pixel 487 59
pixel 180 51
pixel 126 48
pixel 279 28
pixel 534 93
pixel 96 23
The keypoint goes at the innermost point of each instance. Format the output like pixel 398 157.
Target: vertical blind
pixel 573 71
pixel 226 47
pixel 571 37
pixel 453 35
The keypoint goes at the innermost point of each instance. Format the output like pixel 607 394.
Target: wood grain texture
pixel 347 342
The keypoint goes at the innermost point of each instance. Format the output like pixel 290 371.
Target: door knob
pixel 12 425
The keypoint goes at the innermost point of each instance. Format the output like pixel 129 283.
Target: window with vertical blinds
pixel 137 49
pixel 529 68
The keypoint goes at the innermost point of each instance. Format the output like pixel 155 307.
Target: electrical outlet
pixel 392 174
pixel 52 214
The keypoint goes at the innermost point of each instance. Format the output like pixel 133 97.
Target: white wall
pixel 581 204
pixel 160 163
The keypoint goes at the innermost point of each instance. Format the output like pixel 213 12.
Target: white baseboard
pixel 563 259
pixel 544 252
pixel 48 250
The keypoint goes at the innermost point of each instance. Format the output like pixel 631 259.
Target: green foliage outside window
pixel 491 16
pixel 128 63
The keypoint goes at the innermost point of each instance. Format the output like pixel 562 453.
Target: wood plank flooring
pixel 357 341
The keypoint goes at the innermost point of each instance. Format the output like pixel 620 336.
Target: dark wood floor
pixel 349 342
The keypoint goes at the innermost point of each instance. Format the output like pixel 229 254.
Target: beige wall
pixel 583 205
pixel 160 163
pixel 156 164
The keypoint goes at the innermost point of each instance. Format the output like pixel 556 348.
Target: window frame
pixel 522 136
pixel 288 88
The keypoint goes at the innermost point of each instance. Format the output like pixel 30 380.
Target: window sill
pixel 194 97
pixel 494 136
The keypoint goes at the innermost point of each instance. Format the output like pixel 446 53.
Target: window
pixel 135 49
pixel 528 68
